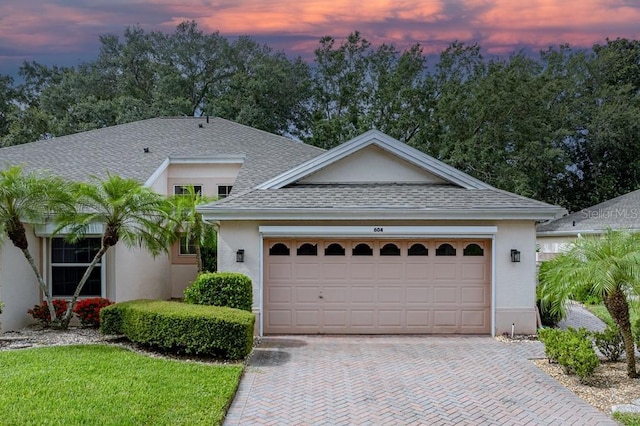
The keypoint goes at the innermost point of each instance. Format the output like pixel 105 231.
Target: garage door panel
pixel 477 295
pixel 446 295
pixel 473 318
pixel 279 294
pixel 362 294
pixel 445 318
pixel 306 271
pixel 418 294
pixel 362 318
pixel 391 271
pixel 473 271
pixel 346 294
pixel 445 271
pixel 335 318
pixel 417 271
pixel 334 270
pixel 279 271
pixel 418 319
pixel 309 318
pixel 333 294
pixel 308 294
pixel 391 318
pixel 363 271
pixel 390 295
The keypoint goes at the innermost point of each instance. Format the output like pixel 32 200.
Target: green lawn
pixel 99 384
pixel 627 419
pixel 601 312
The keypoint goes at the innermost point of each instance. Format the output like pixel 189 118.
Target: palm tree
pixel 188 222
pixel 29 197
pixel 129 212
pixel 610 266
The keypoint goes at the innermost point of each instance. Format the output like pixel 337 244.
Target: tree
pixel 610 266
pixel 129 212
pixel 29 197
pixel 187 222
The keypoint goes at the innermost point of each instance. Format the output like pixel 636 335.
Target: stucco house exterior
pixel 620 213
pixel 371 237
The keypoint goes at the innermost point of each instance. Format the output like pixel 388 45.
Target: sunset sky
pixel 65 32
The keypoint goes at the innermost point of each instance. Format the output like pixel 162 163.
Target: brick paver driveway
pixel 430 380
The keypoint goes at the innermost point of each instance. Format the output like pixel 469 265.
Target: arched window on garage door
pixel 418 249
pixel 473 250
pixel 390 249
pixel 334 249
pixel 279 249
pixel 445 249
pixel 362 249
pixel 307 249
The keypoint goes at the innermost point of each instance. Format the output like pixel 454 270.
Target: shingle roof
pixel 353 198
pixel 622 212
pixel 120 150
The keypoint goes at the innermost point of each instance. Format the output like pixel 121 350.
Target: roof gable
pixel 368 165
pixel 433 170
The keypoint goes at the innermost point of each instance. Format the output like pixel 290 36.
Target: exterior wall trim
pixel 379 231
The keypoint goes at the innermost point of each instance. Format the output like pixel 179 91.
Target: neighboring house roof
pixel 455 195
pixel 622 212
pixel 121 150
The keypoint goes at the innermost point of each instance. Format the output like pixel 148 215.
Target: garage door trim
pixel 380 231
pixel 488 232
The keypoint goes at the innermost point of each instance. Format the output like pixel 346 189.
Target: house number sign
pixel 378 229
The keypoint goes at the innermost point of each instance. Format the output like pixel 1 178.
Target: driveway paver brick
pixel 402 380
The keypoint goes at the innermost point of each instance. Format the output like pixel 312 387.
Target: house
pixel 371 237
pixel 619 213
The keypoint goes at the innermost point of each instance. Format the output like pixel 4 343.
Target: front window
pixel 69 261
pixel 224 191
pixel 187 245
pixel 183 189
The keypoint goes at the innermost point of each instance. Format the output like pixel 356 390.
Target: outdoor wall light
pixel 240 255
pixel 515 255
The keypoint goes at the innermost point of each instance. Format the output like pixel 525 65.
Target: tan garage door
pixel 377 286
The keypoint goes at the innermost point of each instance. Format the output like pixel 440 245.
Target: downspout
pixel 260 283
pixel 493 285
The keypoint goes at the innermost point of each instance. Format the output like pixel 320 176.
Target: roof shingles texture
pixel 120 150
pixel 376 195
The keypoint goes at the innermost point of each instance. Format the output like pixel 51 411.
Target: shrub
pixel 88 310
pixel 182 328
pixel 609 342
pixel 221 289
pixel 41 313
pixel 572 349
pixel 584 294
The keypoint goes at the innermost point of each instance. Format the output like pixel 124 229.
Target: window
pixel 69 262
pixel 473 250
pixel 445 250
pixel 224 191
pixel 390 249
pixel 182 189
pixel 418 250
pixel 187 246
pixel 308 249
pixel 362 249
pixel 334 249
pixel 279 249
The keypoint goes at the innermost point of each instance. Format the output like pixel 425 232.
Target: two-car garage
pixel 376 285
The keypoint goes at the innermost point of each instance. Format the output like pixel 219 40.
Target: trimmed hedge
pixel 182 328
pixel 221 289
pixel 572 349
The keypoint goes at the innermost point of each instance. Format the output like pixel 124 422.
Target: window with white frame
pixel 69 261
pixel 224 191
pixel 182 189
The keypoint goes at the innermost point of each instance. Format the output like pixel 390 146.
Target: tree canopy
pixel 560 127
